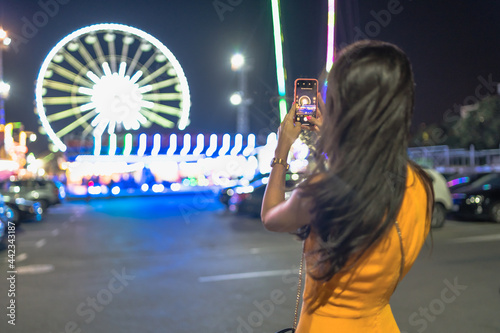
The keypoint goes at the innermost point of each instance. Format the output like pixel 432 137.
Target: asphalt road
pixel 182 264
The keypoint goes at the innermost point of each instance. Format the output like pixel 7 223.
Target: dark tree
pixel 480 127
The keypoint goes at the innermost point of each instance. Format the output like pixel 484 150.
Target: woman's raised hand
pixel 317 121
pixel 288 132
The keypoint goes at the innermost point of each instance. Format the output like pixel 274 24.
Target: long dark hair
pixel 361 154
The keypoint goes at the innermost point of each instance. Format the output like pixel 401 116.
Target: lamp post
pixel 4 87
pixel 239 99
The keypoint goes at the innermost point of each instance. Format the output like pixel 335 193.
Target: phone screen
pixel 306 94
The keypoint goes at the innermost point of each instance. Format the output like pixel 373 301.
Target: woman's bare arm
pixel 277 214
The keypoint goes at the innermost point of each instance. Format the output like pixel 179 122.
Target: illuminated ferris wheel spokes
pixel 110 77
pixel 108 83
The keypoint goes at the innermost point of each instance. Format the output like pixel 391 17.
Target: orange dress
pixel 358 301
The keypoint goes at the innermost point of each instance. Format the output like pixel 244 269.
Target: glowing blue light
pixel 250 145
pixel 226 141
pixel 112 144
pixel 200 144
pixel 142 144
pixel 186 142
pixel 156 144
pixel 172 145
pixel 62 192
pixel 213 145
pixel 238 144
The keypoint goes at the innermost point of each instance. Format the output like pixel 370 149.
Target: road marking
pixel 38 234
pixel 40 243
pixel 473 239
pixel 34 269
pixel 55 232
pixel 21 257
pixel 248 275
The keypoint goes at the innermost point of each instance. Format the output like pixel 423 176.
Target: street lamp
pixel 237 62
pixel 4 87
pixel 239 98
pixel 236 99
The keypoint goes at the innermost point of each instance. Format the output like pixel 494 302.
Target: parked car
pixel 3 235
pixel 480 199
pixel 248 199
pixel 3 225
pixel 46 192
pixel 443 202
pixel 248 202
pixel 458 181
pixel 226 193
pixel 18 209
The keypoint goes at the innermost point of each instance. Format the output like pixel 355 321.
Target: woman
pixel 365 211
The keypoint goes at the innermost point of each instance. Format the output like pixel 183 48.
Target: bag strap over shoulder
pixel 299 290
pixel 403 260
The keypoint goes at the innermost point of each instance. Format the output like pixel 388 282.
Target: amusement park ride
pixel 114 99
pixel 110 78
pixel 116 102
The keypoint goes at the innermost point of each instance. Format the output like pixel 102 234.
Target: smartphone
pixel 306 99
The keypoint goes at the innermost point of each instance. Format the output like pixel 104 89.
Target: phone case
pixel 306 99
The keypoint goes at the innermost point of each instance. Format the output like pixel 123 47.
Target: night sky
pixel 453 46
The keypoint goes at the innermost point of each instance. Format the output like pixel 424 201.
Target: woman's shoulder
pixel 417 177
pixel 419 197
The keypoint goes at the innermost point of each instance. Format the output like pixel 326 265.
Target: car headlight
pixel 474 199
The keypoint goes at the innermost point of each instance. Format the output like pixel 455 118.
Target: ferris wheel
pixel 110 77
